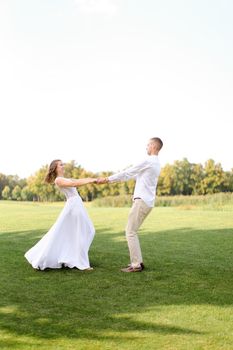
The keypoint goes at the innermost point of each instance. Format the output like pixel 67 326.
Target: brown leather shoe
pixel 132 269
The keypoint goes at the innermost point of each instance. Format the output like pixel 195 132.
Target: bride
pixel 68 241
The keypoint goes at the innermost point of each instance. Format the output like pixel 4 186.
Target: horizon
pixel 109 170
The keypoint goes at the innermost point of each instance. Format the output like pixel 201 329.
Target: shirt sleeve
pixel 130 172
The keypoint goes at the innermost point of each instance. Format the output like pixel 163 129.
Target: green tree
pixel 129 186
pixel 26 194
pixel 213 180
pixel 14 180
pixel 6 193
pixel 41 191
pixel 196 178
pixel 103 190
pixel 72 170
pixel 228 181
pixel 87 192
pixel 166 180
pixel 3 183
pixel 16 193
pixel 182 176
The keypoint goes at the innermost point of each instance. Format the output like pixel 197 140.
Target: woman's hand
pixel 102 180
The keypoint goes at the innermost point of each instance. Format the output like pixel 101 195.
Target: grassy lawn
pixel 183 300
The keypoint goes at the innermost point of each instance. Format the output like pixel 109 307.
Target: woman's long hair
pixel 52 172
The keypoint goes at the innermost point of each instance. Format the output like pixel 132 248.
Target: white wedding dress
pixel 68 241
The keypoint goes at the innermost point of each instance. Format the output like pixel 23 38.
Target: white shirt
pixel 146 174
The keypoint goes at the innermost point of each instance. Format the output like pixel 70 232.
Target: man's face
pixel 150 147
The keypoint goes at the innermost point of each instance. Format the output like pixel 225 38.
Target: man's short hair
pixel 158 141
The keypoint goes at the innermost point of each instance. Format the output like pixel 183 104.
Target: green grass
pixel 183 300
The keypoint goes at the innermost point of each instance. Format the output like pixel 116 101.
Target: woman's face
pixel 60 168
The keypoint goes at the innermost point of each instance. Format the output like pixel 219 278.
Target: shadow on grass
pixel 184 267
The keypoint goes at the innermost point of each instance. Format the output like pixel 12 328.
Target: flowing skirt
pixel 67 242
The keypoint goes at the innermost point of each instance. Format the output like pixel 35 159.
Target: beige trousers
pixel 137 215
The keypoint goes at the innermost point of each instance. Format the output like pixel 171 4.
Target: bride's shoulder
pixel 58 180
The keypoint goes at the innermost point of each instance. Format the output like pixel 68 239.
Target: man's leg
pixel 137 215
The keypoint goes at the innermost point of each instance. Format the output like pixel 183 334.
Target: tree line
pixel 179 178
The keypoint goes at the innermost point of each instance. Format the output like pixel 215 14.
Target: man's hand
pixel 102 180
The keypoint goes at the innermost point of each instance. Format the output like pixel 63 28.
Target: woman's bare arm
pixel 63 182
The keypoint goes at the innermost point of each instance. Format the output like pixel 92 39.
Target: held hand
pixel 102 180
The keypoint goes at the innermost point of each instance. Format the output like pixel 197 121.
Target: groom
pixel 146 174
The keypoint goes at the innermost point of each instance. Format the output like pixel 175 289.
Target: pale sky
pixel 93 80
